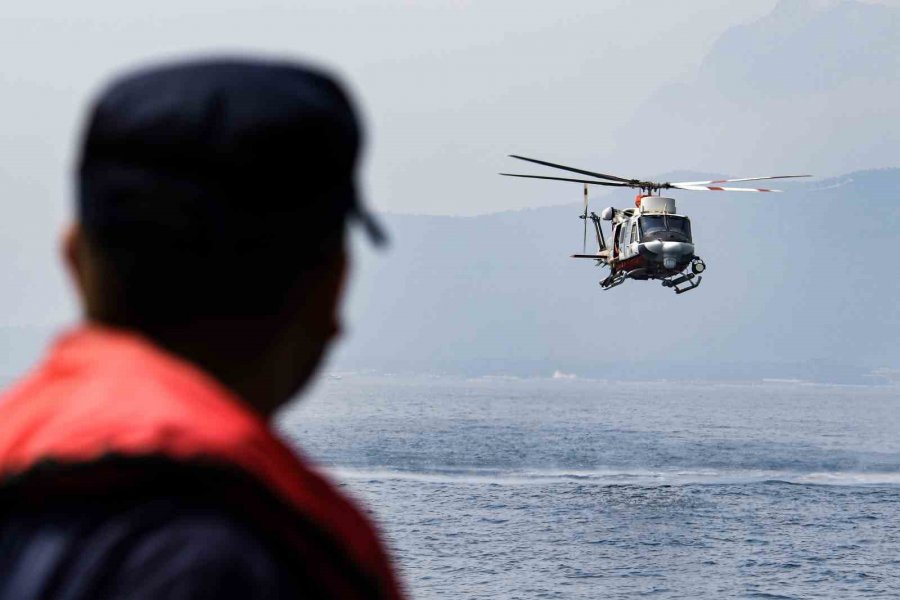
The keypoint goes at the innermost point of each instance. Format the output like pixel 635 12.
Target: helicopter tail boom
pixel 593 256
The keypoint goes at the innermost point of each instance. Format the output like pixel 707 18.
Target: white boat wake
pixel 609 477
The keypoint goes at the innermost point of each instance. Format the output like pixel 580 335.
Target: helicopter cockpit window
pixel 665 227
pixel 652 224
pixel 679 224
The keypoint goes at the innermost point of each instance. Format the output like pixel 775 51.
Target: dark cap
pixel 215 173
pixel 222 152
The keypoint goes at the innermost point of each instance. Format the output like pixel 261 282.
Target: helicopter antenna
pixel 584 218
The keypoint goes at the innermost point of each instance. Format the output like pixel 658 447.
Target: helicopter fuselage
pixel 651 245
pixel 650 241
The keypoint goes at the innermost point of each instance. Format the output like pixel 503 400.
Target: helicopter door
pixel 615 236
pixel 624 241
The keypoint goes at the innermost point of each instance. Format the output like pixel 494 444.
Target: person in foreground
pixel 209 255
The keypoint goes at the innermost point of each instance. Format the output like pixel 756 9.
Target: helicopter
pixel 650 241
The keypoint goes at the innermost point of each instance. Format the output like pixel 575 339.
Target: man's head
pixel 212 201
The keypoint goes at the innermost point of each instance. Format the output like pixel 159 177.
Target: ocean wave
pixel 610 477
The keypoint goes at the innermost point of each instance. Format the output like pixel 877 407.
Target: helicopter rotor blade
pixel 574 170
pixel 717 181
pixel 587 181
pixel 714 188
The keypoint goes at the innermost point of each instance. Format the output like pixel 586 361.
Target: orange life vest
pixel 105 393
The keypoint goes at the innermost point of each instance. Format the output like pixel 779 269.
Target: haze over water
pixel 530 488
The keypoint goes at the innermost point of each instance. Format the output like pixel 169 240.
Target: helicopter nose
pixel 658 249
pixel 668 253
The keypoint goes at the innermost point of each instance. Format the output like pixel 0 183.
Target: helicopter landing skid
pixel 614 279
pixel 687 278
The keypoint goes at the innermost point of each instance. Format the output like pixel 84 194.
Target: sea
pixel 501 487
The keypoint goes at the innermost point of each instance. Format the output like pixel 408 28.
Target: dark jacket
pixel 159 547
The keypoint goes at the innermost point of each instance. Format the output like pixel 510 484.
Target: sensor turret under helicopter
pixel 650 241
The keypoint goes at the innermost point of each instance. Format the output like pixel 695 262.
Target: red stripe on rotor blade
pixel 718 189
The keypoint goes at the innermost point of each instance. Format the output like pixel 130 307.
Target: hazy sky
pixel 448 87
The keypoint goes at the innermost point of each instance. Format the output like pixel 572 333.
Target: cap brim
pixel 376 232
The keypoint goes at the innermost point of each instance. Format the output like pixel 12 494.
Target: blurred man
pixel 209 257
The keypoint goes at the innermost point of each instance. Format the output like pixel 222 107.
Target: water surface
pixel 508 488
